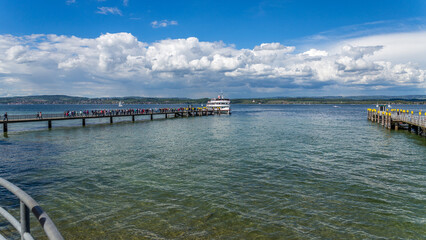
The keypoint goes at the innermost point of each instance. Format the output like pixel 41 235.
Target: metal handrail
pixel 27 203
pixel 412 119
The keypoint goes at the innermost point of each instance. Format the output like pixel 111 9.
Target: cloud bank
pixel 121 65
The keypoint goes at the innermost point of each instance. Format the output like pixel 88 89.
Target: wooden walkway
pixel 399 119
pixel 111 114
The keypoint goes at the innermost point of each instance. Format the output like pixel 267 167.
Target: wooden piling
pixel 49 124
pixel 5 127
pixel 110 120
pixel 83 122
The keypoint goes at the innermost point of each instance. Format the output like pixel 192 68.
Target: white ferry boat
pixel 219 104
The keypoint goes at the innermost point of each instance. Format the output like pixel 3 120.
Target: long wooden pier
pixel 399 119
pixel 111 114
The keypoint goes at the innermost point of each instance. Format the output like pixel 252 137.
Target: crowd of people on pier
pixel 114 112
pixel 122 112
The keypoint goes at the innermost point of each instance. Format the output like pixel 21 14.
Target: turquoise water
pixel 264 172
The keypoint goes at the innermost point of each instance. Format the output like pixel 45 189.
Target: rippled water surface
pixel 278 172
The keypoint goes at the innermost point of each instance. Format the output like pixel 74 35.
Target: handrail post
pixel 25 220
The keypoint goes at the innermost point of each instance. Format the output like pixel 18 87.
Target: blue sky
pixel 196 48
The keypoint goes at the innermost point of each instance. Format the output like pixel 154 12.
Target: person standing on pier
pixel 5 117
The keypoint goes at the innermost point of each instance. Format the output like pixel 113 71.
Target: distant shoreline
pixel 293 103
pixel 359 100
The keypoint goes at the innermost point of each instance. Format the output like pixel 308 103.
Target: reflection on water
pixel 262 172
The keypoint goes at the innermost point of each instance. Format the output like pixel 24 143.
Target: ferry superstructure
pixel 220 104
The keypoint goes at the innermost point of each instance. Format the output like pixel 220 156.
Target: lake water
pixel 264 172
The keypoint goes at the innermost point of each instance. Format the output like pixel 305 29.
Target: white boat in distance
pixel 120 104
pixel 219 104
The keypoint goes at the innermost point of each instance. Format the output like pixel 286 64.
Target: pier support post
pixel 110 120
pixel 133 118
pixel 83 122
pixel 49 124
pixel 416 129
pixel 166 115
pixel 152 117
pixel 25 219
pixel 5 127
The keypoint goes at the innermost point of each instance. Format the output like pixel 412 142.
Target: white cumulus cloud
pixel 163 23
pixel 119 64
pixel 109 10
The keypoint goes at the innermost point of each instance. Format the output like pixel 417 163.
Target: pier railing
pixel 32 116
pixel 28 204
pixel 396 118
pixel 412 119
pixel 96 113
pixel 64 116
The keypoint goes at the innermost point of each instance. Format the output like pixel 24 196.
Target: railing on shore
pixel 28 204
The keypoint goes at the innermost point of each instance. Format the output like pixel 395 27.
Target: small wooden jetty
pixel 111 114
pixel 399 119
